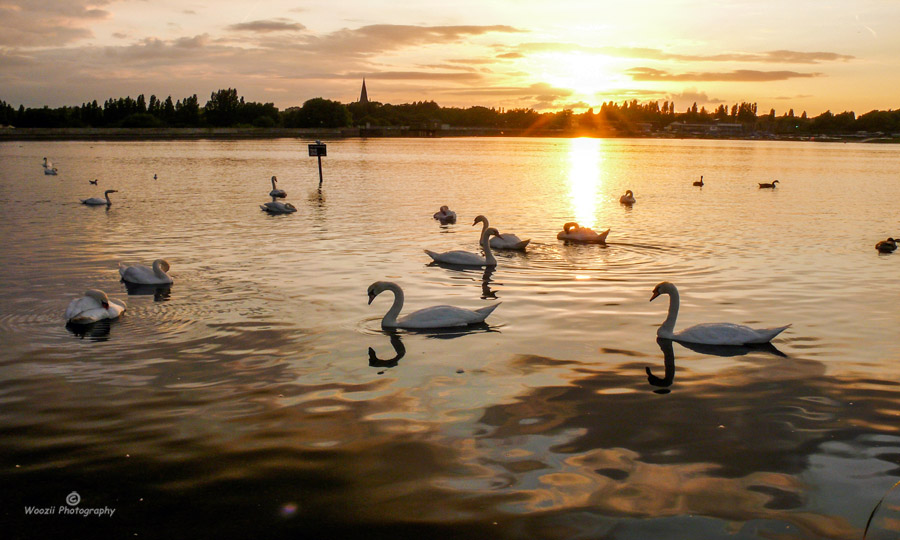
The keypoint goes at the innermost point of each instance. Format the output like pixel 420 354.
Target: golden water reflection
pixel 585 178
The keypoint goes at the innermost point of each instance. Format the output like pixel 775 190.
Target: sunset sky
pixel 808 55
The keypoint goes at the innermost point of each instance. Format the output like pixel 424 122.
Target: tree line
pixel 225 108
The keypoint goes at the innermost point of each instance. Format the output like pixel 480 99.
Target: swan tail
pixel 521 245
pixel 603 235
pixel 769 333
pixel 432 254
pixel 485 311
pixel 123 268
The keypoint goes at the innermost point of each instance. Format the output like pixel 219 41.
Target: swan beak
pixel 655 294
pixel 105 305
pixel 371 297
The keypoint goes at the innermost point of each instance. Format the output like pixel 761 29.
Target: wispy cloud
pixel 43 23
pixel 267 25
pixel 740 75
pixel 781 56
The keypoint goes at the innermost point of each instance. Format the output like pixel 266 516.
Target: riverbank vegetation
pixel 225 108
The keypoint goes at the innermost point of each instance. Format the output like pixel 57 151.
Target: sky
pixel 806 55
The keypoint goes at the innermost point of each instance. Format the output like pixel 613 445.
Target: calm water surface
pixel 246 397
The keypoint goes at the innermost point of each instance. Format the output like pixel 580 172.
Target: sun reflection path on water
pixel 585 178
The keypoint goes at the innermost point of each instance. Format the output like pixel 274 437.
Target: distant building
pixel 706 129
pixel 363 96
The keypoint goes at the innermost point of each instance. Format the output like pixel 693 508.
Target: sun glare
pixel 585 74
pixel 585 160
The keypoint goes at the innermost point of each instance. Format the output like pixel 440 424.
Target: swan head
pixel 663 288
pixel 629 192
pixel 375 289
pixel 491 231
pixel 274 179
pixel 479 219
pixel 445 209
pixel 163 264
pixel 775 182
pixel 569 226
pixel 99 296
pixel 108 191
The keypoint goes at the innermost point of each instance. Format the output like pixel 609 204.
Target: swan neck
pixel 390 318
pixel 158 270
pixel 486 246
pixel 273 183
pixel 668 326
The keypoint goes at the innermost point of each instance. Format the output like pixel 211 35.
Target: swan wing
pixel 444 317
pixel 116 308
pixel 462 258
pixel 93 200
pixel 141 274
pixel 86 310
pixel 727 334
pixel 508 241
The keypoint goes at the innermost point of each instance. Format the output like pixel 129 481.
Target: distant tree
pixel 222 108
pixel 319 112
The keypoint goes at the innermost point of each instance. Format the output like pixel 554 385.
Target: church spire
pixel 363 96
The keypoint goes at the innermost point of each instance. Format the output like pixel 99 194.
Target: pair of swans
pixel 467 258
pixel 92 307
pixel 501 241
pixel 97 201
pixel 763 185
pixel 628 198
pixel 573 232
pixel 49 168
pixel 886 246
pixel 433 317
pixel 708 333
pixel 277 193
pixel 144 275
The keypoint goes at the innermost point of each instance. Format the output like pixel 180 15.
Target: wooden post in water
pixel 318 150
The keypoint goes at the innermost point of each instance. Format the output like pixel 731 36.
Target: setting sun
pixel 585 74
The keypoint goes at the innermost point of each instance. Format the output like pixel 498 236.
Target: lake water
pixel 245 397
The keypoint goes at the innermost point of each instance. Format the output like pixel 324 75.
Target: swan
pixel 280 193
pixel 430 317
pixel 700 183
pixel 574 233
pixel 92 307
pixel 154 176
pixel 766 186
pixel 97 201
pixel 48 167
pixel 94 181
pixel 502 241
pixel 278 207
pixel 628 198
pixel 467 258
pixel 144 275
pixel 709 333
pixel 886 246
pixel 445 215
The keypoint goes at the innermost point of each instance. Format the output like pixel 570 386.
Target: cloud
pixel 511 55
pixel 740 75
pixel 267 25
pixel 378 38
pixel 42 23
pixel 772 57
pixel 693 96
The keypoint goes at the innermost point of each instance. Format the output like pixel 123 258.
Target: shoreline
pixel 150 134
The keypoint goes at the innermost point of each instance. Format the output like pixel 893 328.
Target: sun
pixel 583 73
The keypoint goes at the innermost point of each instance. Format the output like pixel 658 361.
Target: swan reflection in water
pixel 160 293
pixel 486 292
pixel 399 350
pixel 668 351
pixel 96 331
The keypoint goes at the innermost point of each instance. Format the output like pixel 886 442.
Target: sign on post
pixel 318 150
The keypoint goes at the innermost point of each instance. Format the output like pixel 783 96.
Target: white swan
pixel 144 275
pixel 585 235
pixel 278 207
pixel 280 193
pixel 467 258
pixel 700 183
pixel 763 185
pixel 502 241
pixel 628 198
pixel 445 214
pixel 48 167
pixel 97 201
pixel 430 317
pixel 92 307
pixel 709 333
